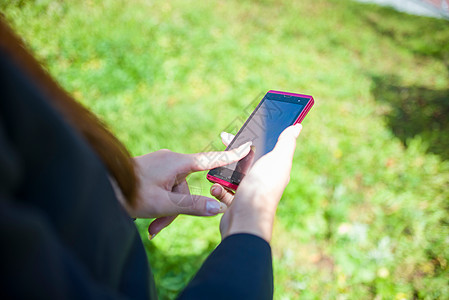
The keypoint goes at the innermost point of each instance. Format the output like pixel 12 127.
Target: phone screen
pixel 273 114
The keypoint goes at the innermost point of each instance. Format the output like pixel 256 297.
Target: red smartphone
pixel 275 112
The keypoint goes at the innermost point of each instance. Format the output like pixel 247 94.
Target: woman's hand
pixel 255 202
pixel 163 192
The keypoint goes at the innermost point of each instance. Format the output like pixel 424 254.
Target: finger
pixel 160 223
pixel 286 143
pixel 226 138
pixel 222 194
pixel 181 187
pixel 195 205
pixel 246 163
pixel 209 160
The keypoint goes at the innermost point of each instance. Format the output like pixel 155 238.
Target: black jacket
pixel 63 233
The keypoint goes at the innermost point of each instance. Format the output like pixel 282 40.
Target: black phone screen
pixel 273 114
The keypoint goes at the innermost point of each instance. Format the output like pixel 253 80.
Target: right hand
pixel 163 191
pixel 252 208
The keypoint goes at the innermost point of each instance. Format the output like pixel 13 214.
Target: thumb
pixel 286 143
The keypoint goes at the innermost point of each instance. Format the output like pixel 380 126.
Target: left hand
pixel 163 192
pixel 253 207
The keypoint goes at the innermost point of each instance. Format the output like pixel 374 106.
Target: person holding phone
pixel 69 191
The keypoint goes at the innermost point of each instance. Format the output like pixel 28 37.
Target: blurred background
pixel 366 213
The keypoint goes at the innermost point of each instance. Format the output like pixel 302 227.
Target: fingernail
pixel 223 207
pixel 297 128
pixel 213 207
pixel 246 145
pixel 215 191
pixel 151 236
pixel 224 135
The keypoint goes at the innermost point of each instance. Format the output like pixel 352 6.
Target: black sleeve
pixel 239 268
pixel 63 233
pixel 34 264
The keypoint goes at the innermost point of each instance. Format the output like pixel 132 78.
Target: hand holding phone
pixel 254 204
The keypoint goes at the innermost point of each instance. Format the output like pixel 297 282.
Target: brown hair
pixel 111 151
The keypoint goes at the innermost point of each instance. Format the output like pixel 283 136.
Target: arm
pixel 253 207
pixel 241 266
pixel 54 201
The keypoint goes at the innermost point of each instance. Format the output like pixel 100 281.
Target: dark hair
pixel 110 150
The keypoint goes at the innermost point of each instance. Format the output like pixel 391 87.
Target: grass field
pixel 366 213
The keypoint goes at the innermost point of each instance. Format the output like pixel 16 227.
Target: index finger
pixel 209 160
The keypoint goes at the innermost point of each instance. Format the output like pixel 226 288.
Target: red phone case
pixel 301 117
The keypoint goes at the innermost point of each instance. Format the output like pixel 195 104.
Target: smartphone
pixel 275 112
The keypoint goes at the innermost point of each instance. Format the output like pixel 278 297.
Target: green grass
pixel 366 213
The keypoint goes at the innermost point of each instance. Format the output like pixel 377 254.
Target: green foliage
pixel 366 212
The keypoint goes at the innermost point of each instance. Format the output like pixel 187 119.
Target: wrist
pixel 252 201
pixel 250 214
pixel 256 225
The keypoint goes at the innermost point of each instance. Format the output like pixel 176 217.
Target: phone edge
pixel 306 110
pixel 222 182
pixel 289 94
